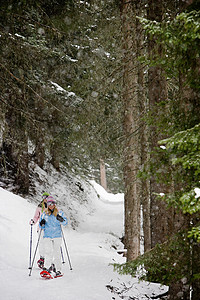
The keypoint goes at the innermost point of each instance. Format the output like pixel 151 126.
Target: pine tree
pixel 69 105
pixel 175 262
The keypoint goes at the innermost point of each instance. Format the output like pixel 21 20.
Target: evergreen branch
pixel 38 23
pixel 163 263
pixel 29 87
pixel 30 116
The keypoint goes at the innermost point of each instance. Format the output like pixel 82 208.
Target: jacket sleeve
pixel 37 215
pixel 65 222
pixel 41 217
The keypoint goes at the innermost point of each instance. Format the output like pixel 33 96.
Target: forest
pixel 113 83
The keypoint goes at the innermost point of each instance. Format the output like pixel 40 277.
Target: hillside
pixel 93 238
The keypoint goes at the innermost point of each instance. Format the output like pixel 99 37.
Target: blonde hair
pixel 48 212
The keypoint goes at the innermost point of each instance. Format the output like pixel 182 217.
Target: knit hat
pixel 50 200
pixel 45 195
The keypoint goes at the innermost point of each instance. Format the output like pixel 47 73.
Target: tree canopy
pixel 55 58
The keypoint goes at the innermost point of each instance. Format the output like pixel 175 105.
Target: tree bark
pixel 195 270
pixel 132 123
pixel 143 131
pixel 38 131
pixel 103 180
pixel 15 146
pixel 39 153
pixel 55 155
pixel 157 92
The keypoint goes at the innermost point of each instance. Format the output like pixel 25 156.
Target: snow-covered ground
pixel 91 245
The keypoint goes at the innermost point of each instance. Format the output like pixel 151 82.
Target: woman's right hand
pixel 42 222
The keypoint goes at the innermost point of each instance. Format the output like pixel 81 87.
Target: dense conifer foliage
pixel 116 82
pixel 57 74
pixel 175 163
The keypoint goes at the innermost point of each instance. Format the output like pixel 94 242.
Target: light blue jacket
pixel 52 227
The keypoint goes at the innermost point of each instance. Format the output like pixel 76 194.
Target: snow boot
pixel 40 262
pixel 58 274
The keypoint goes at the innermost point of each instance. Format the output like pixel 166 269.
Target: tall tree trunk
pixel 157 92
pixel 195 270
pixel 15 146
pixel 187 97
pixel 37 132
pixel 143 131
pixel 180 289
pixel 55 154
pixel 39 154
pixel 132 151
pixel 103 174
pixel 146 205
pixel 163 222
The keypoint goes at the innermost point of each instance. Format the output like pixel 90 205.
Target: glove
pixel 42 222
pixel 31 222
pixel 59 218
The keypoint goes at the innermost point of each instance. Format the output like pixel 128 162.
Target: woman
pixel 38 212
pixel 51 221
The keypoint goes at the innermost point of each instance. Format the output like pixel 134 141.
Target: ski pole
pixel 63 261
pixel 35 252
pixel 31 245
pixel 66 249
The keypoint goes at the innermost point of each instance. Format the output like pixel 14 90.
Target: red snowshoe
pixel 47 275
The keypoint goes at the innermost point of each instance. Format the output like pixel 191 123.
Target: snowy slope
pixel 91 245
